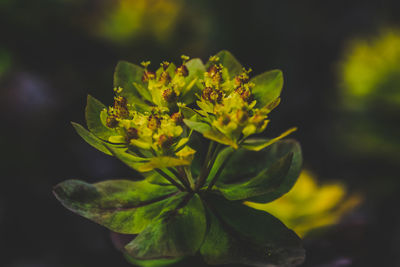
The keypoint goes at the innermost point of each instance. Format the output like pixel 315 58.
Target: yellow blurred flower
pixel 127 19
pixel 309 205
pixel 370 70
pixel 370 95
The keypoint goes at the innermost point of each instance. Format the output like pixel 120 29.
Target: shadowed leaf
pixel 267 181
pixel 239 234
pixel 178 232
pixel 123 206
pixel 250 169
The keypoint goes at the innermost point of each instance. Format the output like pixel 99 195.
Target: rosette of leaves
pixel 179 208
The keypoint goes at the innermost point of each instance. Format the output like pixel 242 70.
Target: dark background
pixel 52 56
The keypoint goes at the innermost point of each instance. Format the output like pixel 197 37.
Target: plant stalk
pixel 170 179
pixel 203 173
pixel 214 180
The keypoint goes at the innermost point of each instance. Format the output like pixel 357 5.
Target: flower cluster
pixel 228 105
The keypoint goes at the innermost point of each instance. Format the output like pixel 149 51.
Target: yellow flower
pixel 309 205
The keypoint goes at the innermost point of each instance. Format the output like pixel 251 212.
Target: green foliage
pixel 181 209
pixel 268 86
pixel 239 234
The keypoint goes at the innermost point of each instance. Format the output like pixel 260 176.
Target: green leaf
pixel 129 159
pixel 196 69
pixel 125 75
pixel 145 164
pixel 122 206
pixel 200 127
pixel 267 181
pixel 90 138
pixel 259 144
pixel 187 112
pixel 268 87
pixel 93 120
pixel 239 234
pixel 229 62
pixel 178 232
pixel 245 165
pixel 219 137
pixel 143 91
pixel 210 133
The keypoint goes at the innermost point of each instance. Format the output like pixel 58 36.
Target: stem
pixel 214 180
pixel 183 178
pixel 170 179
pixel 189 176
pixel 203 175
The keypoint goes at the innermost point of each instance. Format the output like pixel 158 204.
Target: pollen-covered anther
pixel 216 96
pixel 131 133
pixel 165 141
pixel 120 101
pixel 182 70
pixel 169 95
pixel 165 78
pixel 121 106
pixel 177 118
pixel 215 73
pixel 147 75
pixel 111 121
pixel 247 96
pixel 154 122
pixel 211 95
pixel 205 94
pixel 165 65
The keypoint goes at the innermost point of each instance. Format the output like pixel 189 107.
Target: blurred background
pixel 341 61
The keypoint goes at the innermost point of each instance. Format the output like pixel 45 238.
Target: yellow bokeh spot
pixel 128 19
pixel 309 205
pixel 370 69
